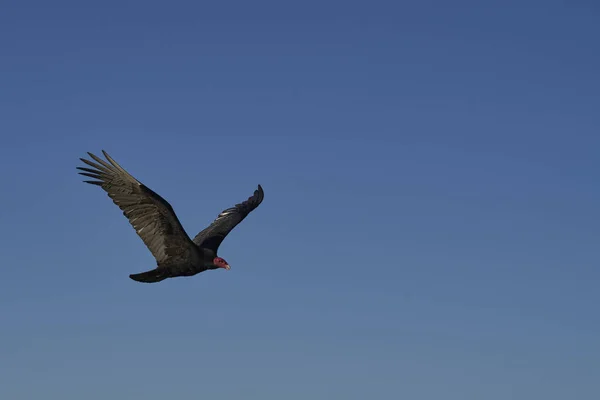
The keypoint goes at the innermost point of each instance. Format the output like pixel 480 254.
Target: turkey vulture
pixel 155 222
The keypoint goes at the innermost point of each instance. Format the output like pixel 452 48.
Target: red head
pixel 220 263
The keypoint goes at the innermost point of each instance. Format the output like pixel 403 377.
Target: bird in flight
pixel 157 225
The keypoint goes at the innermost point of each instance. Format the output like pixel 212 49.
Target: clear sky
pixel 430 223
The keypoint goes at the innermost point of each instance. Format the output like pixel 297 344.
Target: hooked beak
pixel 227 267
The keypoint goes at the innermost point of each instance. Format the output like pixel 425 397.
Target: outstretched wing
pixel 151 216
pixel 213 235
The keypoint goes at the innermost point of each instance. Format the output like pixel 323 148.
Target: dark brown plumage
pixel 157 225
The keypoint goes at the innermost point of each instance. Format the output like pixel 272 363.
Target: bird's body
pixel 196 261
pixel 157 224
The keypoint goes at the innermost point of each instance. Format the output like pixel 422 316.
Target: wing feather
pixel 151 216
pixel 213 235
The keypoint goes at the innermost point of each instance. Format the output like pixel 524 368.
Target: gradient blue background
pixel 430 226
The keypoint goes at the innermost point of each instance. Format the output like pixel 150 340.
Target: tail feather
pixel 152 276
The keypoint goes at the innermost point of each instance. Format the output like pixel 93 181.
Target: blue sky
pixel 430 223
